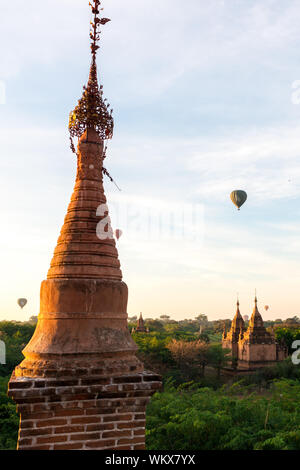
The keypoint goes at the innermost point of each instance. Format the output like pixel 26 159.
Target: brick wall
pixel 83 413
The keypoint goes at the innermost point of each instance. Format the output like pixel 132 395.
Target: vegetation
pixel 199 407
pixel 230 418
pixel 15 336
pixel 288 335
pixel 9 420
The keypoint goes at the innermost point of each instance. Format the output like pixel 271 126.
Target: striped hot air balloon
pixel 238 198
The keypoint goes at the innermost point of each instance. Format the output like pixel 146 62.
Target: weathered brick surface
pixel 62 421
pixel 80 385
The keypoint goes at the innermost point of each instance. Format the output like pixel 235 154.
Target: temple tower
pixel 258 347
pixel 81 385
pixel 255 347
pixel 230 340
pixel 140 326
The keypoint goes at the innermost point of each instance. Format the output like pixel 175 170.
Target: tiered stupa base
pixel 81 385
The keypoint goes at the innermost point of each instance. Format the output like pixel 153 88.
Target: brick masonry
pixel 81 386
pixel 83 413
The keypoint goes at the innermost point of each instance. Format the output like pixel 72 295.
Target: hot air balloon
pixel 267 308
pixel 238 198
pixel 22 302
pixel 118 233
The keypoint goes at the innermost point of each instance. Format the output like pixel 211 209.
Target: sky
pixel 206 100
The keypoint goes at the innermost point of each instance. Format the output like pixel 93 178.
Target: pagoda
pixel 81 386
pixel 254 347
pixel 140 326
pixel 230 340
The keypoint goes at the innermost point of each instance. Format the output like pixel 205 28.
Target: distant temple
pixel 253 347
pixel 140 327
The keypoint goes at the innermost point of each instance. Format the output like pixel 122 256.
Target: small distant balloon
pixel 238 198
pixel 22 302
pixel 118 234
pixel 267 308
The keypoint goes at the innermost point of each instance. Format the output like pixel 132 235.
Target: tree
pixel 191 356
pixel 292 321
pixel 219 357
pixel 132 319
pixel 226 419
pixel 218 325
pixel 154 325
pixel 287 336
pixel 203 355
pixel 202 319
pixel 204 338
pixel 164 317
pixel 171 328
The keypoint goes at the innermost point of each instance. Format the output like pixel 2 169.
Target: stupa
pixel 81 385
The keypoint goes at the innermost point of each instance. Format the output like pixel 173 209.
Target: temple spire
pixel 92 111
pixel 256 320
pixel 238 313
pixel 238 322
pixel 86 247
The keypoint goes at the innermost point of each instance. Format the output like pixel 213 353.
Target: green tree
pixel 218 358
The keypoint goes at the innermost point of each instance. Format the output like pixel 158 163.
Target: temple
pixel 140 327
pixel 81 386
pixel 253 347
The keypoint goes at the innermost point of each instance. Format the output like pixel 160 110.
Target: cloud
pixel 149 45
pixel 202 97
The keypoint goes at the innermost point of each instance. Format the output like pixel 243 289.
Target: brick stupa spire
pixel 82 251
pixel 80 385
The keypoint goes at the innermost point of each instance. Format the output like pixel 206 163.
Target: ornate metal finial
pixel 92 111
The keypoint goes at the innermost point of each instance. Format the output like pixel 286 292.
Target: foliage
pixel 261 412
pixel 191 356
pixel 15 336
pixel 9 420
pixel 231 418
pixel 204 337
pixel 287 335
pixel 218 357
